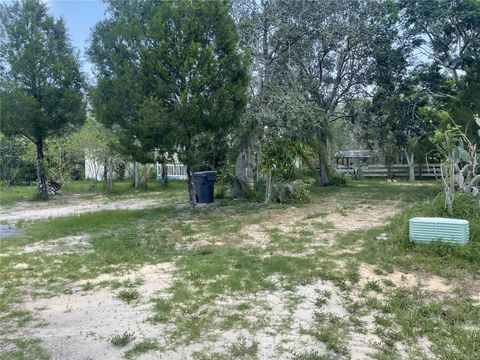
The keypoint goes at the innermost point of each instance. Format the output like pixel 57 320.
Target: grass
pixel 128 295
pixel 445 260
pixel 25 350
pixel 10 195
pixel 141 347
pixel 224 265
pixel 330 330
pixel 240 349
pixel 122 340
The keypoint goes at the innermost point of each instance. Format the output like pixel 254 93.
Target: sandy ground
pixel 74 206
pixel 79 325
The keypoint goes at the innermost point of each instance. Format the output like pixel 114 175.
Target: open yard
pixel 137 276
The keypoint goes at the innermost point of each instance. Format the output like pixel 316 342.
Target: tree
pixel 116 48
pixel 189 78
pixel 95 143
pixel 12 149
pixel 333 62
pixel 445 31
pixel 40 79
pixel 267 32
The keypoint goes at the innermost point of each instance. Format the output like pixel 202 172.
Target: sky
pixel 80 17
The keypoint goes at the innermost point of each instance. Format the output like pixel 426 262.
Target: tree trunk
pixel 164 173
pixel 109 175
pixel 310 165
pixel 41 178
pixel 411 164
pixel 146 175
pixel 322 158
pixel 136 180
pixel 268 187
pixel 192 196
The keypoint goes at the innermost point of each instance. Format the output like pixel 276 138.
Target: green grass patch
pixel 122 340
pixel 141 348
pixel 445 260
pixel 25 350
pixel 129 295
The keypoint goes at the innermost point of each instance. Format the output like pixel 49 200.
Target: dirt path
pixel 76 206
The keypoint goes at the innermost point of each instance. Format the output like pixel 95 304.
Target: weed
pixel 330 330
pixel 141 348
pixel 87 286
pixel 241 350
pixel 163 309
pixel 373 286
pixel 122 340
pixel 128 295
pixel 313 355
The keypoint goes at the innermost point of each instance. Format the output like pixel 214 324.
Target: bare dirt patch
pixel 79 325
pixel 429 283
pixel 362 217
pixel 282 327
pixel 64 245
pixel 75 206
pixel 293 221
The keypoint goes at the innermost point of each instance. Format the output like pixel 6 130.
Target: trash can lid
pixel 209 175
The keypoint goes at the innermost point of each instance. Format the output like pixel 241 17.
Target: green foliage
pixel 449 32
pixel 37 51
pixel 13 165
pixel 337 179
pixel 40 79
pixel 141 348
pixel 178 81
pixel 288 194
pixel 122 340
pixel 129 295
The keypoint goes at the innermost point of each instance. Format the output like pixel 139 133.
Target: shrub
pixel 286 193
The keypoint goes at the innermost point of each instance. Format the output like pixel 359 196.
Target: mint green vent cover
pixel 429 229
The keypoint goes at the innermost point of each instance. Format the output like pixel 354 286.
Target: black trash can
pixel 204 185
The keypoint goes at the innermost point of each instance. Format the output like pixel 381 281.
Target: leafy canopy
pixel 170 74
pixel 40 79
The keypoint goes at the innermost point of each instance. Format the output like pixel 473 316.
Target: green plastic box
pixel 429 229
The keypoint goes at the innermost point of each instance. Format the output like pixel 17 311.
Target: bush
pixel 338 180
pixel 286 193
pixel 282 193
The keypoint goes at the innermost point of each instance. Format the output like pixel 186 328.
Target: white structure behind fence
pixel 175 171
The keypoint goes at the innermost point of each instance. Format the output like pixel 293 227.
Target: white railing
pixel 175 171
pixel 432 170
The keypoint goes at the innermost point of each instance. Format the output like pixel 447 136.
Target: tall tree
pixel 117 44
pixel 268 31
pixel 446 35
pixel 190 79
pixel 334 61
pixel 40 79
pixel 447 32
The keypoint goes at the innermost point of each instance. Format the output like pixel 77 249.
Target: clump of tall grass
pixel 465 207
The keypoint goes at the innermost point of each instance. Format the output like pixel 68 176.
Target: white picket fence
pixel 401 170
pixel 175 171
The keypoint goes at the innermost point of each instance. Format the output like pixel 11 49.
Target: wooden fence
pixel 421 170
